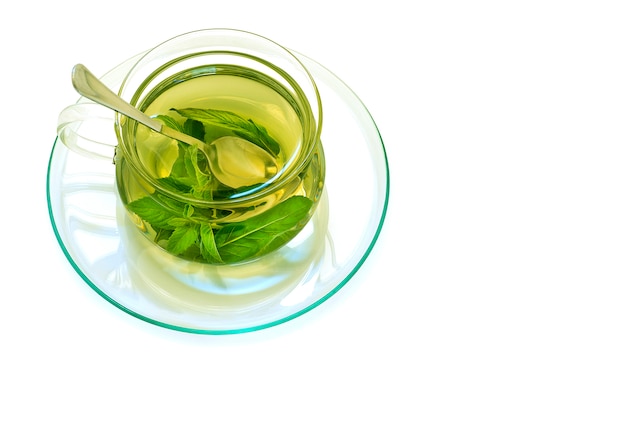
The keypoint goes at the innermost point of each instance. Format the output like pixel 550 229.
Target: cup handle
pixel 88 128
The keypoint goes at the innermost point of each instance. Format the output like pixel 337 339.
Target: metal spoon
pixel 234 161
pixel 91 87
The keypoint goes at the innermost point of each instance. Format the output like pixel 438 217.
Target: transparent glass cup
pixel 259 177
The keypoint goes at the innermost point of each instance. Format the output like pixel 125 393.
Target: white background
pixel 495 296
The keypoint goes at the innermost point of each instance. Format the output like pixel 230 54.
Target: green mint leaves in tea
pixel 204 202
pixel 190 230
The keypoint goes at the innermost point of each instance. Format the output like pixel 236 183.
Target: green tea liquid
pixel 232 165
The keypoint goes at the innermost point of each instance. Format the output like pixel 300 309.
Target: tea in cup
pixel 256 181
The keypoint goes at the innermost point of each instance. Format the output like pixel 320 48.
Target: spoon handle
pixel 91 87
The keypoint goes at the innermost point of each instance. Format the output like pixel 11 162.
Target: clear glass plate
pixel 138 277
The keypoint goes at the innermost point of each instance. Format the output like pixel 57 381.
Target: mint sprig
pixel 246 129
pixel 192 231
pixel 262 233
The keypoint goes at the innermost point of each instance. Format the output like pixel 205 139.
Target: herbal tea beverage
pixel 253 177
pixel 242 195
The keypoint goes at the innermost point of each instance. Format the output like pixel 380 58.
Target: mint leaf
pixel 190 168
pixel 202 178
pixel 170 122
pixel 152 212
pixel 264 232
pixel 208 248
pixel 176 208
pixel 246 129
pixel 175 184
pixel 182 238
pixel 194 128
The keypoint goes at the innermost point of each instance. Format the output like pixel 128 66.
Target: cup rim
pixel 266 188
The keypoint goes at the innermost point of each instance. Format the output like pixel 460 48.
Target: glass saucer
pixel 138 277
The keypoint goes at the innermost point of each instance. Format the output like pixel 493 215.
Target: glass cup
pixel 256 181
